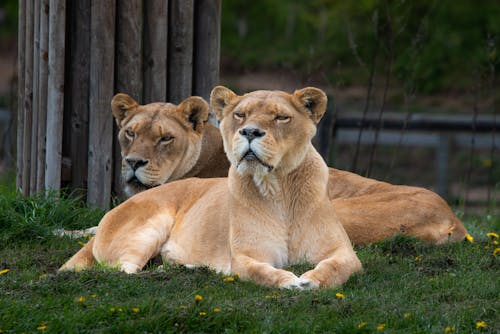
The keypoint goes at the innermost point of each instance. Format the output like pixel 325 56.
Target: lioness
pixel 162 142
pixel 177 142
pixel 273 209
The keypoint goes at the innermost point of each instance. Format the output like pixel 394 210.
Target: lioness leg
pixel 264 273
pixel 82 259
pixel 335 269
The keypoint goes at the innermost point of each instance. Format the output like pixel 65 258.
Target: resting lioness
pixel 162 142
pixel 369 210
pixel 273 209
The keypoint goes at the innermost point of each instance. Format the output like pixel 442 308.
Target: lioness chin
pixel 273 209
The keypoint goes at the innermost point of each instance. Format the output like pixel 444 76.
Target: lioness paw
pixel 300 284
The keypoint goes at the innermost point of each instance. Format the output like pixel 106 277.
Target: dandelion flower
pixel 339 295
pixel 198 298
pixel 42 327
pixel 494 242
pixel 203 313
pixel 362 324
pixel 81 299
pixel 481 324
pixel 418 258
pixel 381 327
pixel 136 310
pixel 496 251
pixel 217 310
pixel 4 271
pixel 228 279
pixel 492 235
pixel 449 329
pixel 407 315
pixel 469 238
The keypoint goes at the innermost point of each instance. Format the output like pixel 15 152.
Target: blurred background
pixel 420 75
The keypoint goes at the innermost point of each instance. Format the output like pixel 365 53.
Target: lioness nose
pixel 252 133
pixel 135 163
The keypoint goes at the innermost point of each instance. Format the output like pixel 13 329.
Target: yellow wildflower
pixel 81 299
pixel 81 243
pixel 494 242
pixel 203 313
pixel 93 295
pixel 339 295
pixel 492 235
pixel 418 258
pixel 228 279
pixel 381 327
pixel 407 315
pixel 469 238
pixel 449 329
pixel 362 324
pixel 136 309
pixel 4 271
pixel 217 310
pixel 198 298
pixel 42 327
pixel 481 324
pixel 496 251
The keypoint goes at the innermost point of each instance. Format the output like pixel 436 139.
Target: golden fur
pixel 273 209
pixel 369 210
pixel 162 142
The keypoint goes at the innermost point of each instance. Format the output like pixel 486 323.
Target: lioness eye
pixel 239 116
pixel 282 118
pixel 130 133
pixel 166 139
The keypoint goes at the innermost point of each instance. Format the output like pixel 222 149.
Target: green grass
pixel 407 286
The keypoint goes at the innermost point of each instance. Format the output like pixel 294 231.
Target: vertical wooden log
pixel 55 102
pixel 206 47
pixel 36 95
pixel 42 96
pixel 180 50
pixel 102 37
pixel 78 91
pixel 128 68
pixel 155 50
pixel 20 91
pixel 28 97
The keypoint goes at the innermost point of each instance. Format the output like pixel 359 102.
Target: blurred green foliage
pixel 8 17
pixel 434 45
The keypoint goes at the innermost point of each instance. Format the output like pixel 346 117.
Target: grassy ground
pixel 407 286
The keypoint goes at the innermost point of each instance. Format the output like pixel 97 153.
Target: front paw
pixel 300 283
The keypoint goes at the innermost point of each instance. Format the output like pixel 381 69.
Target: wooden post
pixel 21 59
pixel 36 96
pixel 206 47
pixel 42 101
pixel 180 50
pixel 129 70
pixel 78 91
pixel 28 97
pixel 155 50
pixel 55 97
pixel 102 38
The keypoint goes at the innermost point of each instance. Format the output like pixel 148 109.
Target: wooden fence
pixel 75 55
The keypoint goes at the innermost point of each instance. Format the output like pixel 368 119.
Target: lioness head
pixel 267 131
pixel 159 142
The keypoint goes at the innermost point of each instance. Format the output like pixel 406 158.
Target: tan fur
pixel 165 142
pixel 369 210
pixel 272 211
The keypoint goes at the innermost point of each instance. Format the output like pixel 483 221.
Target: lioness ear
pixel 195 111
pixel 121 104
pixel 313 100
pixel 219 98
